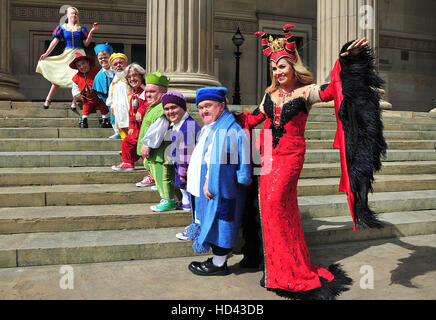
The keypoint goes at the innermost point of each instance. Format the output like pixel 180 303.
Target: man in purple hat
pixel 183 131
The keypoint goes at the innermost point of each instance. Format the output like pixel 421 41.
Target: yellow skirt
pixel 56 69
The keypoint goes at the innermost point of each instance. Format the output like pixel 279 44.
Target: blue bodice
pixel 73 40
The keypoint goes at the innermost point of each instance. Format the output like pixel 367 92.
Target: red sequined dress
pixel 288 268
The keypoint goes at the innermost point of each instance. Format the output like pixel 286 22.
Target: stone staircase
pixel 60 203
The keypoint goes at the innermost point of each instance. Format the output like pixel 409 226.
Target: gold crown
pixel 276 45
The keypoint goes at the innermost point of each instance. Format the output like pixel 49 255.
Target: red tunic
pixel 91 101
pixel 128 147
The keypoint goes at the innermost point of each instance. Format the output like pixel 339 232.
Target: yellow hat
pixel 117 55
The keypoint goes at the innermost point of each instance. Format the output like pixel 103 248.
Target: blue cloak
pixel 229 174
pixel 101 85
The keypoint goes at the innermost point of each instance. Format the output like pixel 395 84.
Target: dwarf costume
pixel 82 86
pixel 56 68
pixel 183 136
pixel 222 156
pixel 118 99
pixel 154 128
pixel 129 145
pixel 288 270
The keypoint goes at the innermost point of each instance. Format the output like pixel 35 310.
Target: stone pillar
pixel 340 21
pixel 180 43
pixel 8 83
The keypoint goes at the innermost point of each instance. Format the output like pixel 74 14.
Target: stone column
pixel 340 21
pixel 180 43
pixel 8 83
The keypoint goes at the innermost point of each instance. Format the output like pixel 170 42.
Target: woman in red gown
pixel 284 110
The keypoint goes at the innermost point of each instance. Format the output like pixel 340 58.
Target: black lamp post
pixel 238 40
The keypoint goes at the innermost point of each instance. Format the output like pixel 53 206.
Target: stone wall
pixel 407 42
pixel 408 53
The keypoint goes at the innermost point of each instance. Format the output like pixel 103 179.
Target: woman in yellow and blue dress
pixel 56 68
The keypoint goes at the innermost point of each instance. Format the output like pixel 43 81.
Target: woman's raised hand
pixel 356 47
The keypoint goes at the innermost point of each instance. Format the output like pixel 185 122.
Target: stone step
pixel 392 144
pixel 380 202
pixel 104 175
pixel 61 248
pixel 45 122
pixel 69 195
pixel 109 158
pixel 329 155
pixel 88 218
pixel 67 175
pixel 89 194
pixel 318 170
pixel 320 231
pixel 59 159
pixel 104 144
pixel 62 144
pixel 36 113
pixel 7 122
pixel 391 126
pixel 91 246
pixel 389 135
pixel 382 183
pixel 43 133
pixel 33 105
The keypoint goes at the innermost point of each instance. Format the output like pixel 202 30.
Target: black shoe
pixel 83 123
pixel 45 106
pixel 262 281
pixel 207 268
pixel 105 123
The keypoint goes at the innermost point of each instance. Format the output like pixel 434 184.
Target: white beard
pixel 121 74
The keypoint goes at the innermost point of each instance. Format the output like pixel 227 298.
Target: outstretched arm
pixel 88 40
pixel 50 48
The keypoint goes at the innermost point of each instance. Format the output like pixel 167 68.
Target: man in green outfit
pixel 151 141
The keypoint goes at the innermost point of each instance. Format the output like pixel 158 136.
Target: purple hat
pixel 174 97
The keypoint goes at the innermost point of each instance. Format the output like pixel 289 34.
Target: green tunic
pixel 152 114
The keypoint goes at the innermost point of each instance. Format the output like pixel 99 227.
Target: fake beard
pixel 121 74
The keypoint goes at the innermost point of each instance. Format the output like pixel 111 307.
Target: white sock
pixel 195 217
pixel 105 116
pixel 219 261
pixel 84 117
pixel 185 197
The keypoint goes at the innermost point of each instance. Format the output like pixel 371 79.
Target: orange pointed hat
pixel 275 49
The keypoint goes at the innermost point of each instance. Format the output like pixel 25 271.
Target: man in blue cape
pixel 218 173
pixel 104 78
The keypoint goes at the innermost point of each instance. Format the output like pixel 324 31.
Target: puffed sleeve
pixel 312 95
pixel 58 33
pixel 85 33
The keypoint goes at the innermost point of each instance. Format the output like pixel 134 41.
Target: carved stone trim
pixel 133 17
pixel 408 44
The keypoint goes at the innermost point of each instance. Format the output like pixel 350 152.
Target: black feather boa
pixel 360 115
pixel 327 290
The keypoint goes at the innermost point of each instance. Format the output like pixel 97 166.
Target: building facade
pixel 191 41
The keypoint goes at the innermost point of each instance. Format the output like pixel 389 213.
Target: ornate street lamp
pixel 238 40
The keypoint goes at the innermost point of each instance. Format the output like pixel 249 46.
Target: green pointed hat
pixel 157 78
